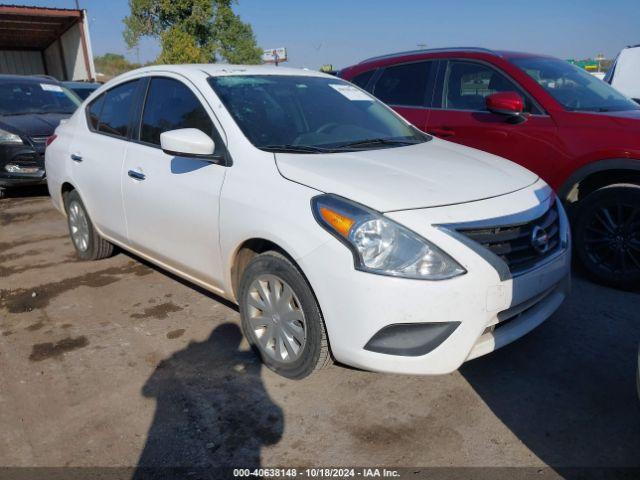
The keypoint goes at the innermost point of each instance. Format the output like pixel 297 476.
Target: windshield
pixel 310 114
pixel 21 98
pixel 573 87
pixel 83 92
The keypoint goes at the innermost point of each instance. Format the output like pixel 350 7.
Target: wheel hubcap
pixel 612 238
pixel 276 318
pixel 79 226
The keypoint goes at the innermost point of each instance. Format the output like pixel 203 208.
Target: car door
pixel 171 203
pixel 404 88
pixel 98 151
pixel 459 115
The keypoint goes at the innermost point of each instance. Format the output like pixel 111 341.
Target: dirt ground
pixel 117 363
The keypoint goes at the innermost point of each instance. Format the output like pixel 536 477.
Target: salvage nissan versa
pixel 342 231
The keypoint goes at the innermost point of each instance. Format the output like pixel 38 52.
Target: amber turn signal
pixel 340 223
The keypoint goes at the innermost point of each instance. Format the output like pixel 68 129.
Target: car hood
pixel 430 174
pixel 33 124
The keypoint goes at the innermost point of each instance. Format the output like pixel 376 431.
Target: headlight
pixel 380 245
pixel 8 137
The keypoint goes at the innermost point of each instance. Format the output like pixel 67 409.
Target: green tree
pixel 192 31
pixel 112 64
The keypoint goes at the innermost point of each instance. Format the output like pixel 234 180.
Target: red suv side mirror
pixel 505 103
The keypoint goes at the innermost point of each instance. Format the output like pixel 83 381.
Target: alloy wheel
pixel 612 237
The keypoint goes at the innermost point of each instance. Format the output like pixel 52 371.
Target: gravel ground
pixel 117 363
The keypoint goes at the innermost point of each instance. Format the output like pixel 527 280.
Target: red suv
pixel 575 131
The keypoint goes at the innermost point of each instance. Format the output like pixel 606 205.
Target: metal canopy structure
pixel 58 35
pixel 34 28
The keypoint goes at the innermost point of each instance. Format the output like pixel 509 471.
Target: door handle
pixel 136 175
pixel 442 132
pixel 76 158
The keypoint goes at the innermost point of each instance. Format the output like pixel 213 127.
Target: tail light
pixel 50 140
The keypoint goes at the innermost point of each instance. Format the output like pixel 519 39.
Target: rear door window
pixel 404 85
pixel 115 114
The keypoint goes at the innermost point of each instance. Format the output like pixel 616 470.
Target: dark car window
pixel 171 105
pixel 573 87
pixel 307 113
pixel 362 79
pixel 403 84
pixel 115 114
pixel 94 110
pixel 19 97
pixel 83 93
pixel 467 84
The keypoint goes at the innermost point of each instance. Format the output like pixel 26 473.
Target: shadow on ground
pixel 561 398
pixel 212 411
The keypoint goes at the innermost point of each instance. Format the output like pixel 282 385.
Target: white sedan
pixel 343 232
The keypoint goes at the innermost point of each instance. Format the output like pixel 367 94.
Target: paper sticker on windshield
pixel 50 87
pixel 352 93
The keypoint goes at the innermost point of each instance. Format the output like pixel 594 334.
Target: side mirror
pixel 505 103
pixel 187 142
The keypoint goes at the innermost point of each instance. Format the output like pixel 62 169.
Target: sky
pixel 343 32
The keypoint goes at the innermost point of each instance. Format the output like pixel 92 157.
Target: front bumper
pixel 491 312
pixel 27 164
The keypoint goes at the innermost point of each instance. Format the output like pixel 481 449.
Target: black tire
pixel 606 234
pixel 315 352
pixel 97 247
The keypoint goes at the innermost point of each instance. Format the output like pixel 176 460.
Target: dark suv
pixel 578 133
pixel 30 110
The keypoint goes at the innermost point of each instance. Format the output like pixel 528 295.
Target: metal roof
pixel 34 28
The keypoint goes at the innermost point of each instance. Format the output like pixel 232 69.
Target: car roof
pixel 453 50
pixel 27 78
pixel 220 69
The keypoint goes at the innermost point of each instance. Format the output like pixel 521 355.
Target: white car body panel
pixel 192 217
pixel 100 172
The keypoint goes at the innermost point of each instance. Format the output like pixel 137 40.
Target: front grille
pixel 39 140
pixel 515 243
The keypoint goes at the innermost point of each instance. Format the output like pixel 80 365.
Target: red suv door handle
pixel 442 132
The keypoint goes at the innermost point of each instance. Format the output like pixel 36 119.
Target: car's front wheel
pixel 87 241
pixel 606 234
pixel 281 318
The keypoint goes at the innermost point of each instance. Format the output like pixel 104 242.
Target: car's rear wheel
pixel 281 318
pixel 607 234
pixel 87 241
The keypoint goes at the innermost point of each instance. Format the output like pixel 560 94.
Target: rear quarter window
pixel 93 112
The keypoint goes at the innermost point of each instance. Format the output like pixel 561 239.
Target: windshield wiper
pixel 376 141
pixel 287 148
